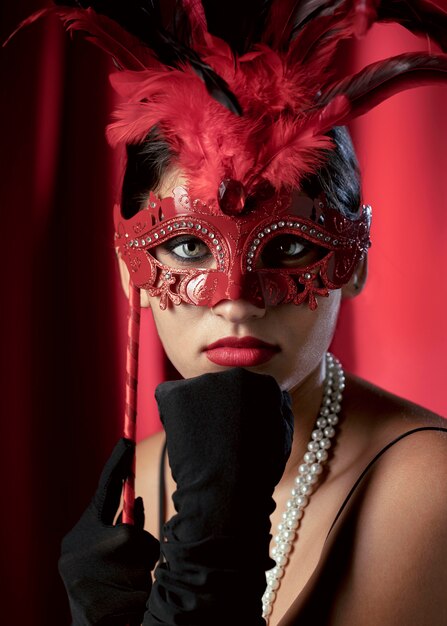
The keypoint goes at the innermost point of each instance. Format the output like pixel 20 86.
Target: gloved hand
pixel 106 569
pixel 229 436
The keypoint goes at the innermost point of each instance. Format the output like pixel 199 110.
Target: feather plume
pixel 280 72
pixel 381 80
pixel 142 23
pixel 421 17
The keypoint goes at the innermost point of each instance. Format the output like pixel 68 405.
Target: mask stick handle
pixel 130 416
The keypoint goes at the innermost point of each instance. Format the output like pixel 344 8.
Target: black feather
pixel 381 80
pixel 144 20
pixel 418 16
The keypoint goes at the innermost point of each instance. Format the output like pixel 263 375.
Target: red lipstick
pixel 240 351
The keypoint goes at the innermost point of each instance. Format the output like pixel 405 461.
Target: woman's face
pixel 297 337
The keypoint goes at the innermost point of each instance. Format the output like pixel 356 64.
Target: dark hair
pixel 338 178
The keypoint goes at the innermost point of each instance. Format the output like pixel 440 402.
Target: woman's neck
pixel 306 401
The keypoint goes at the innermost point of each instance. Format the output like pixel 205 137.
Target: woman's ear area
pixel 357 280
pixel 125 278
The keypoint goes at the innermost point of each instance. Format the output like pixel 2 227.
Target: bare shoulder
pixel 374 417
pixel 148 455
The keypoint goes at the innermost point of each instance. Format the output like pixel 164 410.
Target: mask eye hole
pixel 289 251
pixel 185 251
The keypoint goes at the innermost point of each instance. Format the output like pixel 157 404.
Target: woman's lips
pixel 240 351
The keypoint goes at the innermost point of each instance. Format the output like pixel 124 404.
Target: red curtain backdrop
pixel 64 315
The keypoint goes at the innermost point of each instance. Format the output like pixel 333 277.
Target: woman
pixel 277 298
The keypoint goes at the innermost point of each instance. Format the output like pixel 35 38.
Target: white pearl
pixel 309 457
pixel 277 571
pixel 274 584
pixel 325 444
pixel 335 408
pixel 306 490
pixel 302 501
pixel 313 446
pixel 282 559
pixel 303 468
pixel 287 535
pixel 266 610
pixel 317 435
pixel 284 548
pixel 316 468
pixel 294 513
pixel 322 455
pixel 329 431
pixel 292 524
pixel 333 419
pixel 300 480
pixel 325 411
pixel 321 422
pixel 269 596
pixel 311 479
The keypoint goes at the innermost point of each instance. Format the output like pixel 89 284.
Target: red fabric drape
pixel 64 316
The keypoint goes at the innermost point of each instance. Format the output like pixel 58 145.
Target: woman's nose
pixel 237 311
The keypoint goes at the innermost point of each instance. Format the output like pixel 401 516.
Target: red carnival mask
pixel 241 242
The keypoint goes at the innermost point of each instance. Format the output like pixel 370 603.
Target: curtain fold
pixel 64 315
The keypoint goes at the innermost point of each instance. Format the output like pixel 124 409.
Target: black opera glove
pixel 229 436
pixel 106 569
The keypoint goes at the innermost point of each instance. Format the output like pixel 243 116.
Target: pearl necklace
pixel 306 480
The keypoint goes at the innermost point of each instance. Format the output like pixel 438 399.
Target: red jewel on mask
pixel 231 196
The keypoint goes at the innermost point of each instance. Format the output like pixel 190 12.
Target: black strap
pixel 371 463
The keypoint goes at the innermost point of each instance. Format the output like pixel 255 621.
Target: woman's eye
pixel 191 249
pixel 181 250
pixel 288 251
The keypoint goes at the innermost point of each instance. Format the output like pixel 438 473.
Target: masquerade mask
pixel 286 248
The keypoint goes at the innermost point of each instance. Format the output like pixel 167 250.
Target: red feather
pixel 288 91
